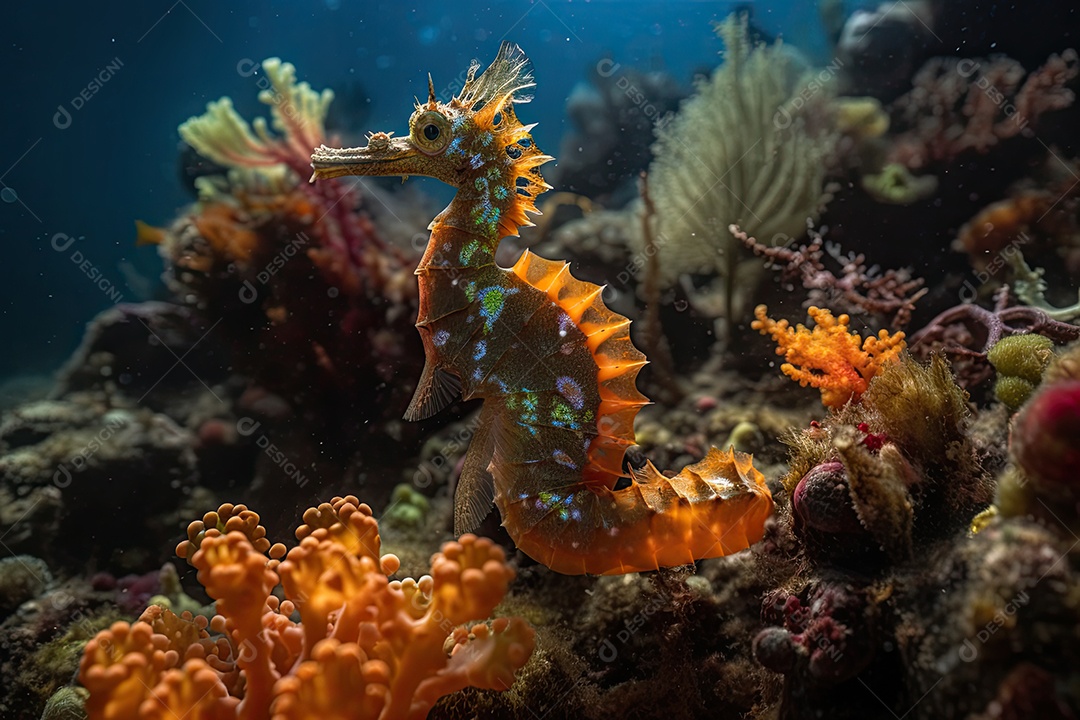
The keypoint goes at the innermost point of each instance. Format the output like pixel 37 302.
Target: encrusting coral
pixel 830 357
pixel 364 646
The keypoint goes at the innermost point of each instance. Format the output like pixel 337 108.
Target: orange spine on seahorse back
pixel 556 368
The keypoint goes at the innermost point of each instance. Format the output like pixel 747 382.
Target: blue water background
pixel 78 181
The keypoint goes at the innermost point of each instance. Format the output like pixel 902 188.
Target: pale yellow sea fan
pixel 740 152
pixel 297 112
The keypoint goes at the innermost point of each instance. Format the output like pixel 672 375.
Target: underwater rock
pixel 41 643
pixel 132 349
pixel 879 49
pixel 613 118
pixel 1001 600
pixel 1028 691
pixel 95 464
pixel 22 578
pixel 31 423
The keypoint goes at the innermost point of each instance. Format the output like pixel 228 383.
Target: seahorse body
pixel 556 368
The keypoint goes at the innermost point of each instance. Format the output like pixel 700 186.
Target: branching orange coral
pixel 830 357
pixel 364 646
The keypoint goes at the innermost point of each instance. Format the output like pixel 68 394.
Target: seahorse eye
pixel 431 131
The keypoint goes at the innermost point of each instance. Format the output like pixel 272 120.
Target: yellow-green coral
pixel 862 117
pixel 1020 361
pixel 897 186
pixel 407 509
pixel 296 111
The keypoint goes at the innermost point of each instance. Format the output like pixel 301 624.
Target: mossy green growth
pixel 1020 361
pixel 407 509
pixel 1012 391
pixel 56 662
pixel 67 703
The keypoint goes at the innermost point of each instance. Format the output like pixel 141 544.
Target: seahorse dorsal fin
pixel 475 492
pixel 437 389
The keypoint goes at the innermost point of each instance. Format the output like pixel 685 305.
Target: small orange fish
pixel 148 234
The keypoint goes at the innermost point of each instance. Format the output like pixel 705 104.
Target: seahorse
pixel 555 367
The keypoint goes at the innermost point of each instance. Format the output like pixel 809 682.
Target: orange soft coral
pixel 830 357
pixel 365 646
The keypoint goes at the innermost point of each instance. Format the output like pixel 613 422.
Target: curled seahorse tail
pixel 715 507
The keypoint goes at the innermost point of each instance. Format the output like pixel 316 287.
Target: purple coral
pixel 967 331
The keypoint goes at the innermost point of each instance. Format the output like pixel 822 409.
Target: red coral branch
pixel 857 289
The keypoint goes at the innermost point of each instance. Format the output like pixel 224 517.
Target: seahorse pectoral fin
pixel 437 389
pixel 475 492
